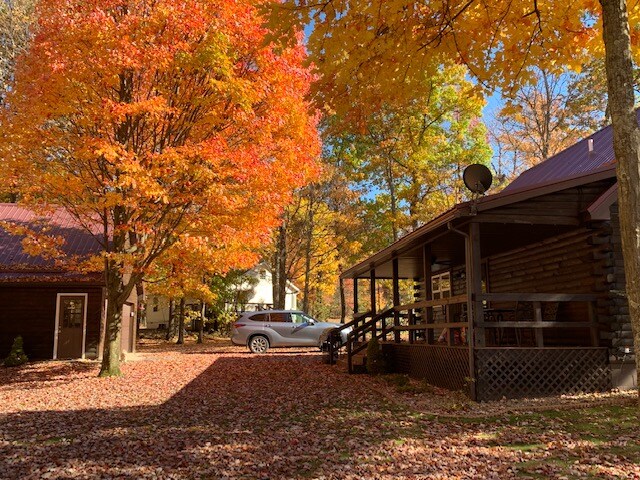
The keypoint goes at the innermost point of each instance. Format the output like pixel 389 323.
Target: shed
pixel 59 313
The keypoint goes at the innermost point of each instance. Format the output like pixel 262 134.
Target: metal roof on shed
pixel 78 240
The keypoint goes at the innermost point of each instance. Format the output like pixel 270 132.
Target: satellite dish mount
pixel 477 178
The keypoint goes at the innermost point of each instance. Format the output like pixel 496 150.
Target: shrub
pixel 376 364
pixel 222 322
pixel 16 355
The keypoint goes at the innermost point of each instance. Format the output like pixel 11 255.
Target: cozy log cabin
pixel 519 293
pixel 59 313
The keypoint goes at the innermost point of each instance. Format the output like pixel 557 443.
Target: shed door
pixel 71 321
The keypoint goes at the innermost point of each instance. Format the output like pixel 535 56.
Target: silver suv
pixel 281 328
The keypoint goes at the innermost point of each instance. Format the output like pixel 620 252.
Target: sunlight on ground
pixel 214 411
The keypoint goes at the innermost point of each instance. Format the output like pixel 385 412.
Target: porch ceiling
pixel 448 248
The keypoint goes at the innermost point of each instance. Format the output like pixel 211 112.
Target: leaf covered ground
pixel 216 411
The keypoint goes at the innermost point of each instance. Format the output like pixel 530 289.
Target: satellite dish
pixel 477 178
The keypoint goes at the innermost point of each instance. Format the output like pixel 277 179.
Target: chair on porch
pixel 550 311
pixel 524 336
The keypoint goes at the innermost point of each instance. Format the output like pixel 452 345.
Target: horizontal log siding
pixel 618 308
pixel 30 311
pixel 568 263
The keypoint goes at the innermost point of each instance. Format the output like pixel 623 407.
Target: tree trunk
pixel 181 323
pixel 170 323
pixel 201 329
pixel 626 145
pixel 279 274
pixel 115 302
pixel 307 254
pixel 141 310
pixel 343 303
pixel 392 202
pixel 274 273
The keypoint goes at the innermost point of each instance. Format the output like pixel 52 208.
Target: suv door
pixel 279 328
pixel 305 330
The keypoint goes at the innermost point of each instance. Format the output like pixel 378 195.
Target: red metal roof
pixel 572 162
pixel 78 241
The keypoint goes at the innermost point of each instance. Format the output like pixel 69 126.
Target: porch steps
pixel 358 362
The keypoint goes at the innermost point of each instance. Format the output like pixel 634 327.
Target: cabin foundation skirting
pixel 439 365
pixel 505 372
pixel 530 372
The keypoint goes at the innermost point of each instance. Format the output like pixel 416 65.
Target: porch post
pixel 474 285
pixel 372 292
pixel 355 296
pixel 593 320
pixel 537 317
pixel 475 315
pixel 396 299
pixel 427 313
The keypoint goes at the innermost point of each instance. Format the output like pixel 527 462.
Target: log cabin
pixel 518 293
pixel 59 312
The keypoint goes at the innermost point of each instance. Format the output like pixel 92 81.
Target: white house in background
pixel 255 293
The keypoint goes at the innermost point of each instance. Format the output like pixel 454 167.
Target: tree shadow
pixel 230 412
pixel 245 416
pixel 56 372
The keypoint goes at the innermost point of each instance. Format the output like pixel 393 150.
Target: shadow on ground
pixel 280 415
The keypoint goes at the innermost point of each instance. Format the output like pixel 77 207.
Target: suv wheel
pixel 259 344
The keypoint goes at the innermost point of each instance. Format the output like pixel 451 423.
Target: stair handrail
pixel 364 328
pixel 375 319
pixel 333 338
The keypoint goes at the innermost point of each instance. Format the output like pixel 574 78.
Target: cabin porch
pixel 496 308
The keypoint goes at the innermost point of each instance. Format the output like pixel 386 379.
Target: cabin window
pixel 263 274
pixel 155 304
pixel 441 285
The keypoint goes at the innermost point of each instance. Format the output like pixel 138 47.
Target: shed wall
pixel 30 311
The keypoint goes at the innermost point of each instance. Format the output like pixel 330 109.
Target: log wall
pixel 567 263
pixel 617 306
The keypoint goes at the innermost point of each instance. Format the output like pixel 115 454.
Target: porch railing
pixel 419 320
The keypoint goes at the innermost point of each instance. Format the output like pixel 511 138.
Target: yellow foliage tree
pixel 369 51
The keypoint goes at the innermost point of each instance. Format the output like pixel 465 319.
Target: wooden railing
pixel 375 327
pixel 429 324
pixel 538 323
pixel 403 318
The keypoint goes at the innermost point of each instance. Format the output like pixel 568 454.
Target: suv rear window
pixel 259 317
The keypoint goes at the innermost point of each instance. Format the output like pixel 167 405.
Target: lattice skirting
pixel 531 372
pixel 443 366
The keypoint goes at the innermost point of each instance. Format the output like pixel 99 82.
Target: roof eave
pixel 386 254
pixel 483 204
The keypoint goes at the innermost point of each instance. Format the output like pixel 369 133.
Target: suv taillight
pixel 238 325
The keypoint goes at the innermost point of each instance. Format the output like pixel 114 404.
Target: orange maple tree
pixel 159 121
